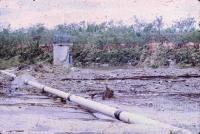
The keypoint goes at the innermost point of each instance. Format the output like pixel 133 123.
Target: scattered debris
pixel 16 131
pixel 42 69
pixel 39 68
pixel 23 67
pixel 161 96
pixel 108 93
pixel 144 77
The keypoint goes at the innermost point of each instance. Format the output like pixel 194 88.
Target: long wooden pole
pixel 102 108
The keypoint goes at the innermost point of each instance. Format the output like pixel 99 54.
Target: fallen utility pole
pixel 102 108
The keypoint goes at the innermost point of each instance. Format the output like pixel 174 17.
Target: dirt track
pixel 173 101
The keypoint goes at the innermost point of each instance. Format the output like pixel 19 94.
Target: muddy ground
pixel 172 100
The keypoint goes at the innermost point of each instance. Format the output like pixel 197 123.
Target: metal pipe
pixel 102 108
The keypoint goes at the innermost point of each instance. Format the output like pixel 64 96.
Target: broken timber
pixel 142 77
pixel 102 108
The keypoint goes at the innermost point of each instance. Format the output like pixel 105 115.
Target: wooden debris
pixel 108 93
pixel 42 69
pixel 22 67
pixel 142 77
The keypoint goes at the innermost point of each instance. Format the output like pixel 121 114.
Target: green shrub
pixel 163 55
pixel 190 56
pixel 7 63
pixel 96 37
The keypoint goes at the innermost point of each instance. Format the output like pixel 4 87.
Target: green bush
pixel 189 56
pixel 91 40
pixel 30 53
pixel 163 55
pixel 88 55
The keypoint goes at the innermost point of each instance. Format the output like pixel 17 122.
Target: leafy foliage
pixel 189 56
pixel 92 41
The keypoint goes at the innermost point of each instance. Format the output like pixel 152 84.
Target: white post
pixel 61 54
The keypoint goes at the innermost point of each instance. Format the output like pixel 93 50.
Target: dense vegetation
pixel 107 42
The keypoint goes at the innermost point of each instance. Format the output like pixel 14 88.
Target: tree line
pixel 13 42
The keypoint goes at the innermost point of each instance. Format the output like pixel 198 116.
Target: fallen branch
pixel 144 77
